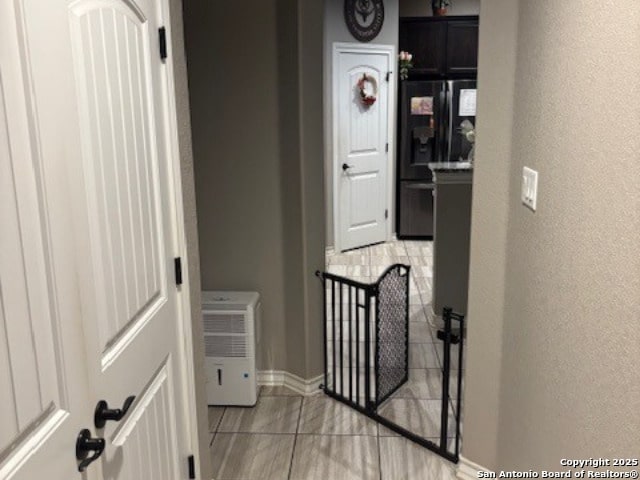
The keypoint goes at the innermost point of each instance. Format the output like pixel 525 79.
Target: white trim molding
pixel 468 470
pixel 280 378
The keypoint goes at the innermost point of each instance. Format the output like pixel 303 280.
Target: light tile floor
pixel 289 437
pixel 330 441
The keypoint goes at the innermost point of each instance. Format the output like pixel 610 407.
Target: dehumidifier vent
pixel 224 323
pixel 225 346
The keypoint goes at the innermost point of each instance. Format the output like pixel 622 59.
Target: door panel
pixel 120 185
pixel 146 435
pixel 43 383
pixel 361 146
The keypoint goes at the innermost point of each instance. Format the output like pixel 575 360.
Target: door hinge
pixel 192 466
pixel 162 39
pixel 388 75
pixel 178 268
pixel 386 213
pixel 386 147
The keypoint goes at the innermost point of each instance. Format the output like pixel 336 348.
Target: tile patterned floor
pixel 288 437
pixel 330 441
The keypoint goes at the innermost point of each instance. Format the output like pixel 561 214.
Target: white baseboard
pixel 468 470
pixel 280 378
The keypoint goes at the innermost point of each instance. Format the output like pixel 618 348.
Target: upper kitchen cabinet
pixel 442 47
pixel 462 47
pixel 427 42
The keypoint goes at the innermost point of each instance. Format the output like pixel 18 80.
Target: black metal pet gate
pixel 366 336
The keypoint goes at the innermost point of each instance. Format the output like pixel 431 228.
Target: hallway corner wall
pixel 490 211
pixel 257 117
pixel 233 82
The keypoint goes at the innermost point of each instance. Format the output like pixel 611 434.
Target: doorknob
pixel 85 444
pixel 103 413
pixel 346 167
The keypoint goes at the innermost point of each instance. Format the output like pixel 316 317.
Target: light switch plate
pixel 530 188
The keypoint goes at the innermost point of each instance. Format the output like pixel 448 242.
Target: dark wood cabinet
pixel 427 41
pixel 462 48
pixel 442 47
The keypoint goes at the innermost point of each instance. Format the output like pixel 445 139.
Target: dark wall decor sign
pixel 364 18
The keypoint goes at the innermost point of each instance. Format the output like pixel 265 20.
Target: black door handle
pixel 103 413
pixel 85 444
pixel 346 167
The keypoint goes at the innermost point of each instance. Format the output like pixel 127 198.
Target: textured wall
pixel 422 8
pixel 191 227
pixel 258 157
pixel 491 201
pixel 571 345
pixel 335 30
pixel 240 181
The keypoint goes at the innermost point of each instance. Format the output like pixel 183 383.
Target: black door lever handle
pixel 85 444
pixel 346 167
pixel 103 413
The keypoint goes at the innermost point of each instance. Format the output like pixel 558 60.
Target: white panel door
pixel 44 397
pixel 101 109
pixel 361 156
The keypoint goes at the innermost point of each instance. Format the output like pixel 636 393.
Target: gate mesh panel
pixel 392 332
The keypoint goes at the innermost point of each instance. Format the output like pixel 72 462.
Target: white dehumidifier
pixel 231 335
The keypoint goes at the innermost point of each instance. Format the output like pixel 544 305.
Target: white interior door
pixel 361 147
pixel 101 114
pixel 44 396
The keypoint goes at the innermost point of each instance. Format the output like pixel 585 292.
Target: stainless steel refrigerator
pixel 431 128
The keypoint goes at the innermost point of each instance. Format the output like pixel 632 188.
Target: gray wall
pixel 311 48
pixel 335 30
pixel 422 8
pixel 191 228
pixel 257 136
pixel 552 366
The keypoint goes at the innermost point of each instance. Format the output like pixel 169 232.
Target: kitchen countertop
pixel 451 166
pixel 452 172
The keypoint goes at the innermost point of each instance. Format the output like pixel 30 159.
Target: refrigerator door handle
pixel 450 107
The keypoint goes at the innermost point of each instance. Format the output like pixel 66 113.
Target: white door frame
pixel 390 51
pixel 189 417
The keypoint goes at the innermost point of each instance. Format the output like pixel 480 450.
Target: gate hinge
pixel 386 213
pixel 177 262
pixel 162 39
pixel 192 466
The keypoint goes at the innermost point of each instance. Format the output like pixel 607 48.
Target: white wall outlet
pixel 530 188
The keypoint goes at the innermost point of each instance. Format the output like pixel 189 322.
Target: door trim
pixel 390 51
pixel 183 291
